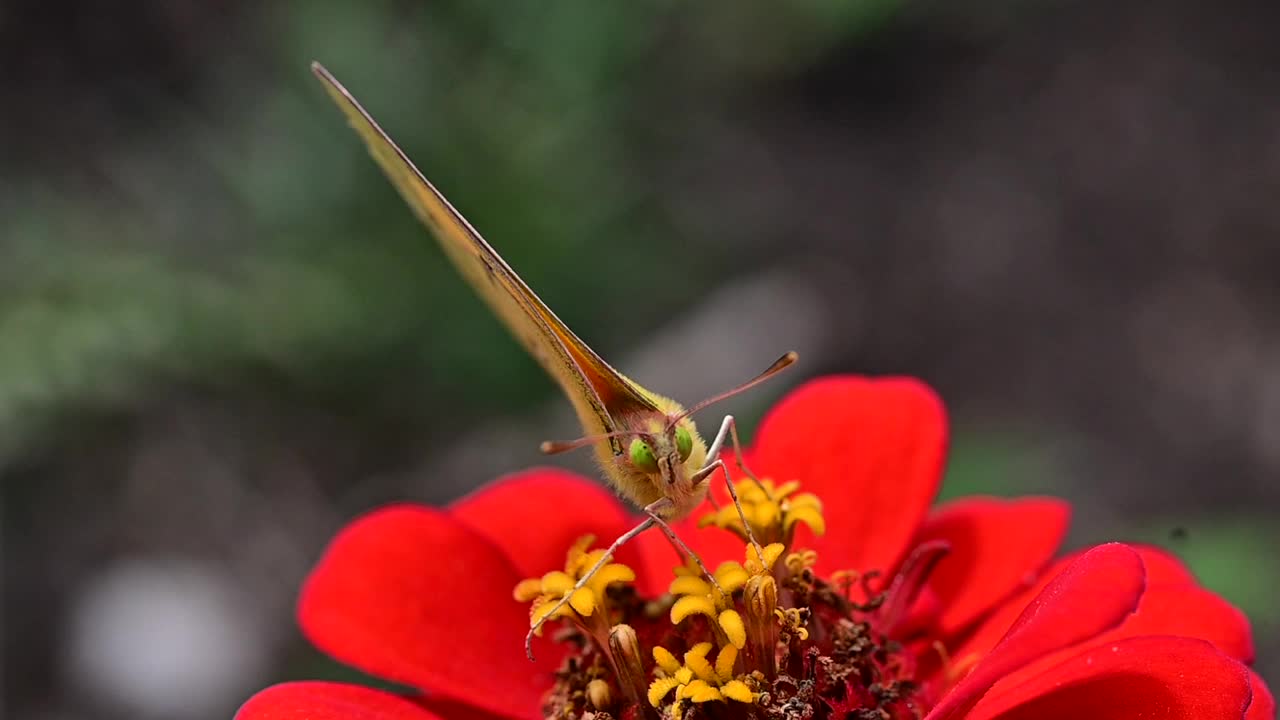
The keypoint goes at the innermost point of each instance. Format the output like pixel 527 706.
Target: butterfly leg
pixel 652 511
pixel 605 559
pixel 729 429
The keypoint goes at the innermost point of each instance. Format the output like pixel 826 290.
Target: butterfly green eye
pixel 642 456
pixel 684 443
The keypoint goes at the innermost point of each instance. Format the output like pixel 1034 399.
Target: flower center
pixel 762 637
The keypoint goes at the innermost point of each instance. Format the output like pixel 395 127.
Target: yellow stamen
pixel 666 661
pixel 772 512
pixel 583 601
pixel 734 629
pixel 692 605
pixel 659 688
pixel 700 691
pixel 697 680
pixel 548 591
pixel 731 576
pixel 757 565
pixel 689 585
pixel 737 690
pixel 527 590
pixel 557 582
pixel 798 562
pixel 724 663
pixel 696 660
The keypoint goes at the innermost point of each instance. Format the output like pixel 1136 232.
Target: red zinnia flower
pixel 992 629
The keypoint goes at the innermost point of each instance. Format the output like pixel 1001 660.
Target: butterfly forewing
pixel 598 392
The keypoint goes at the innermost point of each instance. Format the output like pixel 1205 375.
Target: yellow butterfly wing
pixel 597 391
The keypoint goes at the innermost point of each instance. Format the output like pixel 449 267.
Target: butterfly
pixel 647 445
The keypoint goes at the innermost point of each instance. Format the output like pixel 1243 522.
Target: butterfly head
pixel 665 457
pixel 661 453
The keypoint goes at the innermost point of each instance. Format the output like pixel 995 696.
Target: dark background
pixel 222 335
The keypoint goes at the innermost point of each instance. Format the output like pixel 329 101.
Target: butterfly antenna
pixel 778 366
pixel 551 447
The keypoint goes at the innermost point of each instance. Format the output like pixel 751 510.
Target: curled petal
pixel 1171 605
pixel 1003 542
pixel 1163 677
pixel 1163 567
pixel 1263 706
pixel 1092 595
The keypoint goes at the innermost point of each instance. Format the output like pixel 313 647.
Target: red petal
pixel 329 701
pixel 1263 706
pixel 1162 569
pixel 534 516
pixel 872 450
pixel 1184 611
pixel 452 710
pixel 1092 595
pixel 996 548
pixel 1189 611
pixel 1174 607
pixel 1169 678
pixel 410 594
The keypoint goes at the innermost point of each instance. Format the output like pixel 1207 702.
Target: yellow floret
pixel 700 691
pixel 772 512
pixel 690 605
pixel 737 690
pixel 547 592
pixel 734 629
pixel 725 661
pixel 659 688
pixel 665 660
pixel 698 679
pixel 762 563
pixel 696 660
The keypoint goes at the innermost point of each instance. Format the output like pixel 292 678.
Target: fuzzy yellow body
pixel 673 479
pixel 606 402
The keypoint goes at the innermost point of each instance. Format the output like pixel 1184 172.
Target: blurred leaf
pixel 1232 555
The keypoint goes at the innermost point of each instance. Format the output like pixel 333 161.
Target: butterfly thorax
pixel 658 462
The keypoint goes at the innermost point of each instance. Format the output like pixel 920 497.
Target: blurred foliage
pixel 251 235
pixel 1233 555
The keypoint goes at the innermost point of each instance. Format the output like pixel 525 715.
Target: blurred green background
pixel 222 335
